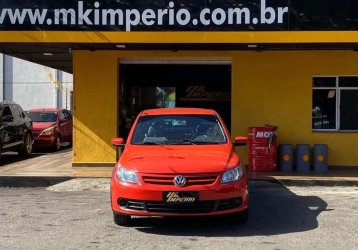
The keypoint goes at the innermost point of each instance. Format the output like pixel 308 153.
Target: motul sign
pixel 261 134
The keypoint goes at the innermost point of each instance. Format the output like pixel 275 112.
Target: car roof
pixel 6 102
pixel 45 109
pixel 178 111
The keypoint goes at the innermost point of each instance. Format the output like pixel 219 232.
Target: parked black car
pixel 15 129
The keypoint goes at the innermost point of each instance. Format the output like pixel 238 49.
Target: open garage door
pixel 185 83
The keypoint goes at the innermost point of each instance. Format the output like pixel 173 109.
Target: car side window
pixel 15 112
pixel 22 113
pixel 6 111
pixel 68 115
pixel 62 116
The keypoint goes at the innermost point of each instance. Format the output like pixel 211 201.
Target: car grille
pixel 168 180
pixel 186 208
pixel 200 207
pixel 36 133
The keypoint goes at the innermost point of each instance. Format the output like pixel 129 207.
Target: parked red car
pixel 51 127
pixel 179 161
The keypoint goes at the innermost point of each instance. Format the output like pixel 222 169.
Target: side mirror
pixel 240 141
pixel 118 142
pixel 8 118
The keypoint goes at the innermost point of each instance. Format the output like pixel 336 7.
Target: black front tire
pixel 26 148
pixel 121 219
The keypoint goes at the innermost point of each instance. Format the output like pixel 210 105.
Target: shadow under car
pixel 274 210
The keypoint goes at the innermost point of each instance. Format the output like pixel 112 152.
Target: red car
pixel 179 162
pixel 51 127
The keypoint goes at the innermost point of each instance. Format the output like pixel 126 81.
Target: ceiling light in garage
pixel 48 54
pixel 120 46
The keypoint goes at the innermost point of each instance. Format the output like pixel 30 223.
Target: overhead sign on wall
pixel 183 15
pixel 199 93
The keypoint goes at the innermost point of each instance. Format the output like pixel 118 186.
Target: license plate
pixel 181 197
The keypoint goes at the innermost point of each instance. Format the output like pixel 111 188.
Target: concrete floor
pixel 64 217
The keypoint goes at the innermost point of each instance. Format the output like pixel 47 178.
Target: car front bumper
pixel 44 141
pixel 145 200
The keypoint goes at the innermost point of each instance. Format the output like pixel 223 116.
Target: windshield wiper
pixel 191 142
pixel 207 142
pixel 151 143
pixel 181 142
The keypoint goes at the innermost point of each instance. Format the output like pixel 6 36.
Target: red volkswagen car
pixel 51 127
pixel 179 161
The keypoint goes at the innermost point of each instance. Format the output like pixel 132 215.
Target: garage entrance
pixel 144 86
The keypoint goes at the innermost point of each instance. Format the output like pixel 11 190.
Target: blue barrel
pixel 320 163
pixel 303 159
pixel 285 157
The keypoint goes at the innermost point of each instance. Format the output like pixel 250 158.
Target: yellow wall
pixel 179 37
pixel 95 107
pixel 276 88
pixel 268 87
pixel 96 102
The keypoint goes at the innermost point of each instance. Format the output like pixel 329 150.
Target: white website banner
pixel 146 15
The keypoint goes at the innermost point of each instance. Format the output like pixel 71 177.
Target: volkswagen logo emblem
pixel 179 180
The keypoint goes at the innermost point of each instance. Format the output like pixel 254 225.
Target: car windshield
pixel 42 116
pixel 178 130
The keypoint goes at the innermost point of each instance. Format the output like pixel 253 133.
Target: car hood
pixel 179 158
pixel 42 125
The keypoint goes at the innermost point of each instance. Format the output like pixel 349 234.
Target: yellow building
pixel 294 67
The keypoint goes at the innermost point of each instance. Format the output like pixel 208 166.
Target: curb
pixel 39 181
pixel 30 181
pixel 321 183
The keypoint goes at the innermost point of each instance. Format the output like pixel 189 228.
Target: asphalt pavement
pixel 77 215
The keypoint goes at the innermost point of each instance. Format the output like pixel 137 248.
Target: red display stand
pixel 262 149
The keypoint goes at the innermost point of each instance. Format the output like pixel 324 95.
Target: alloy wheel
pixel 58 143
pixel 28 144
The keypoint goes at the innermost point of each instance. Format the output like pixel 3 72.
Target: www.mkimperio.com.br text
pixel 128 18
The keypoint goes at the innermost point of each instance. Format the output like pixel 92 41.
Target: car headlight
pixel 127 175
pixel 233 174
pixel 48 131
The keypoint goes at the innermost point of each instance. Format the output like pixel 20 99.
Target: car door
pixel 69 125
pixel 63 126
pixel 19 124
pixel 7 127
